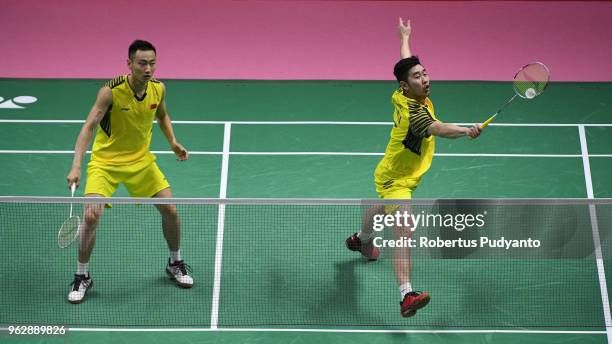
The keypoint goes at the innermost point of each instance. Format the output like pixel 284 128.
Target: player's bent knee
pixel 403 232
pixel 168 210
pixel 92 218
pixel 93 212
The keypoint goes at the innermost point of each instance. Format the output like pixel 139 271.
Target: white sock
pixel 174 256
pixel 82 268
pixel 405 289
pixel 364 237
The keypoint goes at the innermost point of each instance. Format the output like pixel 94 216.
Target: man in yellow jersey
pixel 408 156
pixel 123 114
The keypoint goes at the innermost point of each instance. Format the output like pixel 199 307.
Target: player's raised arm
pixel 165 124
pixel 104 100
pixel 403 31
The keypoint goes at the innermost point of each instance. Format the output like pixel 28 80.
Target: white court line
pixel 436 154
pixel 596 239
pixel 30 151
pixel 190 329
pixel 511 155
pixel 311 153
pixel 34 151
pixel 216 292
pixel 316 330
pixel 43 121
pixel 70 121
pixel 17 151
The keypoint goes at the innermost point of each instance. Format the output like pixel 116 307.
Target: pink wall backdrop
pixel 354 40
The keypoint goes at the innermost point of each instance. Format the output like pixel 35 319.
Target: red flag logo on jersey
pixel 153 106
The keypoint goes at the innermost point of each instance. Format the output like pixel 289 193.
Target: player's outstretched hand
pixel 180 151
pixel 404 30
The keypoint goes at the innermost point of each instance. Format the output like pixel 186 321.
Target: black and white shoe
pixel 179 272
pixel 80 286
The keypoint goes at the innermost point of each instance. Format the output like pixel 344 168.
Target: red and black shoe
pixel 366 248
pixel 413 301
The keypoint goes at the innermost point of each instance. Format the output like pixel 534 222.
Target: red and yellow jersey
pixel 410 149
pixel 124 135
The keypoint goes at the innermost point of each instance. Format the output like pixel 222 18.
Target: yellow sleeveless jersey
pixel 124 135
pixel 410 149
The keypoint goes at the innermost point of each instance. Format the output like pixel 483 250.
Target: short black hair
pixel 140 45
pixel 403 66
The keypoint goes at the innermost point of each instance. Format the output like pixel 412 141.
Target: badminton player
pixel 123 116
pixel 407 158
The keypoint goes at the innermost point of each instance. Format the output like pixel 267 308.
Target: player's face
pixel 418 82
pixel 142 65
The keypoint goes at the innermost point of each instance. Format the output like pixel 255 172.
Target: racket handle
pixel 486 123
pixel 72 189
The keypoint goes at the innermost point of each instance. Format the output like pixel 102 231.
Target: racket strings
pixel 70 228
pixel 531 80
pixel 68 231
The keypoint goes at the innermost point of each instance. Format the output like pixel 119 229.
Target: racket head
pixel 531 80
pixel 68 231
